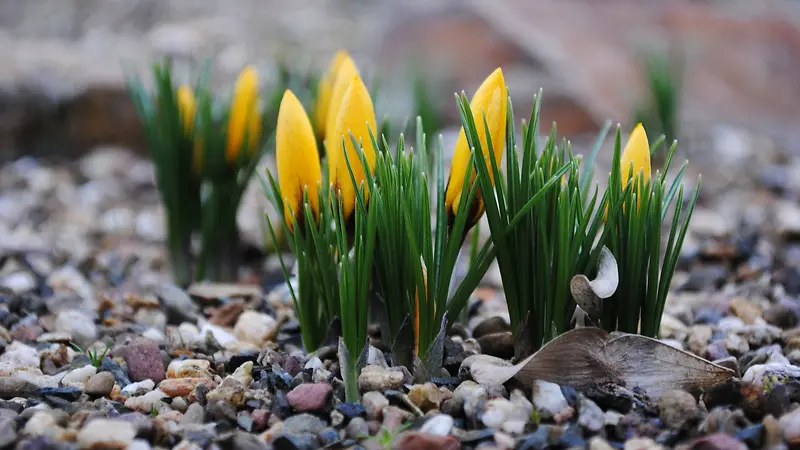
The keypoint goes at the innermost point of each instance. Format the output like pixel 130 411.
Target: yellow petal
pixel 356 115
pixel 186 107
pixel 244 116
pixel 637 153
pixel 347 70
pixel 490 99
pixel 325 90
pixel 297 158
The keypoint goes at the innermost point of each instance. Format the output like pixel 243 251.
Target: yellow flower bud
pixel 636 153
pixel 347 70
pixel 356 115
pixel 297 159
pixel 244 118
pixel 186 107
pixel 325 91
pixel 490 99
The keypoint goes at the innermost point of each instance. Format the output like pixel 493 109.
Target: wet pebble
pixel 309 396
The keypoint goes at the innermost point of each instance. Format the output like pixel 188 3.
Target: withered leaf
pixel 589 294
pixel 588 356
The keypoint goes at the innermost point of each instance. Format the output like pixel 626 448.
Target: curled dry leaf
pixel 589 294
pixel 589 356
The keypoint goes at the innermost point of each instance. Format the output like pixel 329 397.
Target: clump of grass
pixel 95 357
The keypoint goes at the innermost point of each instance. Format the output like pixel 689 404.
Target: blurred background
pixel 721 76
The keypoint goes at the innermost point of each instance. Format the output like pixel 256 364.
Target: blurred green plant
pixel 659 110
pixel 205 149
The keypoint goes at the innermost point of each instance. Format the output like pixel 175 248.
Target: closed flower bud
pixel 490 100
pixel 325 91
pixel 636 156
pixel 344 76
pixel 245 118
pixel 297 159
pixel 186 107
pixel 356 115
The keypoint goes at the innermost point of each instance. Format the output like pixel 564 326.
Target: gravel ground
pixel 219 366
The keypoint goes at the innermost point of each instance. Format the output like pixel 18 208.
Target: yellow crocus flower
pixel 297 159
pixel 490 99
pixel 356 115
pixel 325 91
pixel 244 118
pixel 186 107
pixel 347 70
pixel 636 153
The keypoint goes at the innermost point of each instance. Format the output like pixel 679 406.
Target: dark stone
pixel 241 358
pixel 500 345
pixel 120 375
pixel 292 366
pixel 490 326
pixel 781 315
pixel 617 398
pixel 245 441
pixel 538 440
pixel 571 395
pixel 66 393
pixel 705 277
pixel 753 436
pixel 141 423
pixel 778 401
pixel 668 438
pixel 572 438
pixel 201 436
pixel 328 436
pixel 221 411
pixel 446 381
pixel 351 409
pixel 707 315
pixel 453 355
pixel 280 405
pixel 475 436
pixel 304 441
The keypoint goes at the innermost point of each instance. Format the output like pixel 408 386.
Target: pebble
pixel 79 377
pixel 100 385
pixel 8 432
pixel 230 391
pixel 677 407
pixel 309 396
pixel 255 327
pixel 500 345
pixel 147 402
pixel 143 386
pixel 718 441
pixel 590 416
pixel 790 426
pixel 377 378
pixel 491 325
pixel 501 414
pixel 357 429
pixel 425 396
pixel 181 387
pixel 106 434
pixel 78 324
pixel 412 440
pixel 143 358
pixel 548 399
pixel 303 423
pixel 16 387
pixel 438 425
pixel 468 395
pixel 43 423
pixel 189 368
pixel 374 402
pixel 194 414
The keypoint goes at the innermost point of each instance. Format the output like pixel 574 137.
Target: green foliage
pixel 171 151
pixel 645 268
pixel 95 357
pixel 659 110
pixel 200 186
pixel 543 231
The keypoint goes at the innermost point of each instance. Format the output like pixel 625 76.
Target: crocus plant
pixel 646 262
pixel 204 150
